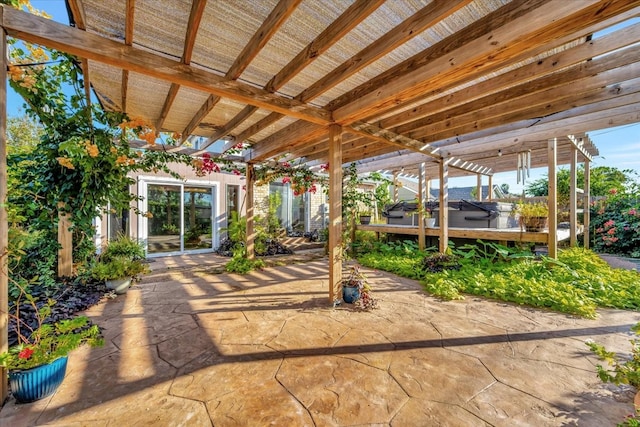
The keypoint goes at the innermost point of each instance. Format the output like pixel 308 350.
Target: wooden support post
pixel 335 213
pixel 490 195
pixel 65 240
pixel 421 200
pixel 444 205
pixel 552 153
pixel 479 187
pixel 396 193
pixel 587 203
pixel 573 197
pixel 4 220
pixel 251 235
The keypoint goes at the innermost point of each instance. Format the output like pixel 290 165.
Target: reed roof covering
pixel 409 81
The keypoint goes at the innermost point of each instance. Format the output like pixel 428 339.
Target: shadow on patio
pixel 189 348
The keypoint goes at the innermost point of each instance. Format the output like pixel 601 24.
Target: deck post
pixel 490 195
pixel 443 219
pixel 552 153
pixel 396 193
pixel 479 187
pixel 4 220
pixel 251 235
pixel 587 203
pixel 335 213
pixel 573 197
pixel 421 200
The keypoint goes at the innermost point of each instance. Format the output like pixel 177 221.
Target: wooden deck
pixel 503 235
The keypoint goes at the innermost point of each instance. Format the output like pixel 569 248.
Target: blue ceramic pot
pixel 350 294
pixel 33 384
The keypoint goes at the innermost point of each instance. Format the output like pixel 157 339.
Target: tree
pixel 23 134
pixel 603 179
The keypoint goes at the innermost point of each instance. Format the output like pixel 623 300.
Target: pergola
pixel 443 87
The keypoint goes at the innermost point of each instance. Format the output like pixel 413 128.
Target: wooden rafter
pixel 577 141
pixel 534 70
pixel 91 46
pixel 616 112
pixel 195 16
pixel 351 17
pixel 519 31
pixel 573 93
pixel 269 27
pixel 128 41
pixel 408 29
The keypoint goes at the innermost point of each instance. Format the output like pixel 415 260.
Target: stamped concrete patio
pixel 188 347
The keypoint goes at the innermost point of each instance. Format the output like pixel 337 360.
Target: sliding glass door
pixel 179 218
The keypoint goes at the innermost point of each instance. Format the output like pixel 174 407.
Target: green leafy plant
pixel 121 258
pixel 118 267
pixel 622 370
pixel 47 342
pixel 531 210
pixel 578 282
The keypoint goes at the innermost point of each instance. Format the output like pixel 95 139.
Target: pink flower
pixel 286 165
pixel 286 180
pixel 613 191
pixel 610 223
pixel 237 172
pixel 324 167
pixel 611 231
pixel 632 211
pixel 313 189
pixel 25 353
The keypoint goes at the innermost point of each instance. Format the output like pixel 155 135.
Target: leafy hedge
pixel 577 283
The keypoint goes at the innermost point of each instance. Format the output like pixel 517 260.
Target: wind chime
pixel 524 165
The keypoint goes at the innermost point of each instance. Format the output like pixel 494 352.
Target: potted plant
pixel 356 289
pixel 365 217
pixel 119 264
pixel 532 216
pixel 37 363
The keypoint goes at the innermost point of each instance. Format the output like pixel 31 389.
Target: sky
pixel 619 147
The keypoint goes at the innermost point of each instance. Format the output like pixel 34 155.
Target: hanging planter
pixel 29 385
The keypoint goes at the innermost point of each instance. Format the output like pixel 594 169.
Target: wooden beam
pixel 260 38
pixel 335 213
pixel 250 235
pixel 573 197
pixel 553 198
pixel 426 17
pixel 534 70
pixel 479 187
pixel 34 29
pixel 443 219
pixel 4 220
pixel 511 30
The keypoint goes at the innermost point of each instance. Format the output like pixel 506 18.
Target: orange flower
pixel 121 160
pixel 92 149
pixel 66 162
pixel 113 150
pixel 15 73
pixel 149 136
